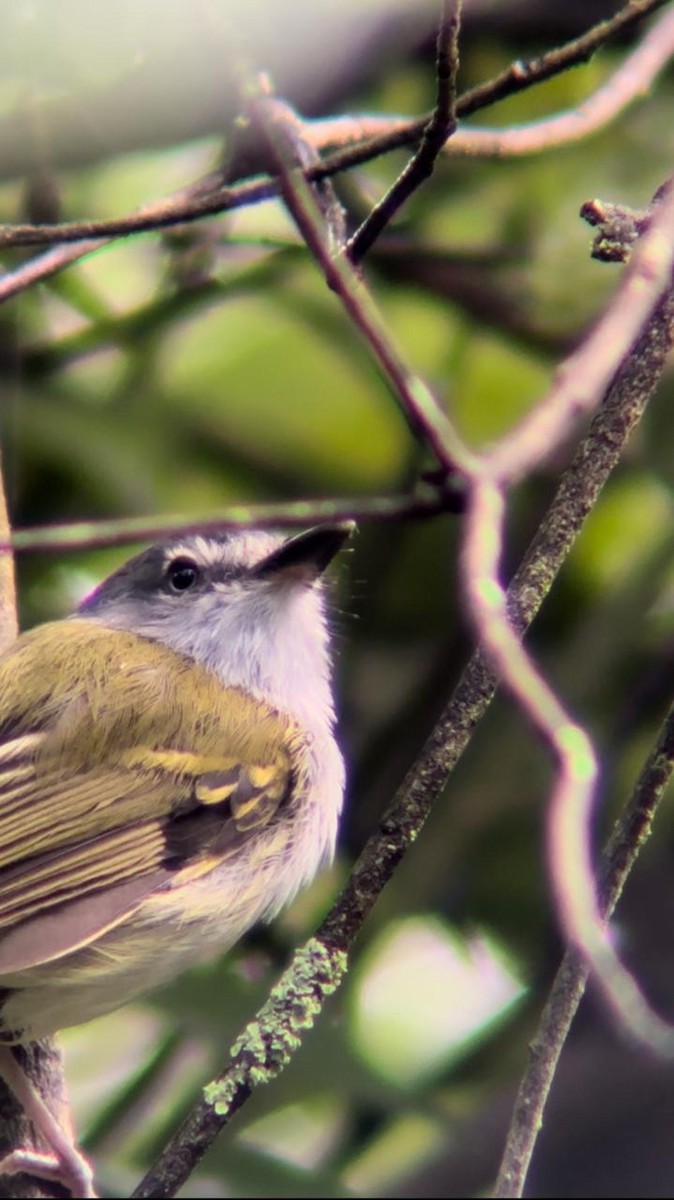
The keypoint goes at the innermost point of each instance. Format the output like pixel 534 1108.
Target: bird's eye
pixel 182 574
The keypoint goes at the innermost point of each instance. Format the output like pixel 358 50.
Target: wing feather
pixel 98 808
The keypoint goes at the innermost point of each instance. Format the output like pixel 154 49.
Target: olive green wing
pixel 113 785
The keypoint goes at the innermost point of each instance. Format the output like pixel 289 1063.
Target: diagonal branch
pixel 417 402
pixel 440 127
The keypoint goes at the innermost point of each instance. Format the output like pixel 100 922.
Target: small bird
pixel 169 775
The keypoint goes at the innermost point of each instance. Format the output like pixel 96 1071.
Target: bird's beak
pixel 304 558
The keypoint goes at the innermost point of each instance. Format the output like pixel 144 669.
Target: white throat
pixel 276 646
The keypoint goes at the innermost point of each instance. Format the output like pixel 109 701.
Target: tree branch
pixel 440 127
pixel 629 82
pixel 208 198
pixel 426 417
pixel 429 499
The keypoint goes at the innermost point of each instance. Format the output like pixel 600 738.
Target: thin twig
pixel 523 74
pixel 428 500
pixel 205 198
pixel 568 834
pixel 440 127
pixel 618 859
pixel 149 217
pixel 12 283
pixel 629 82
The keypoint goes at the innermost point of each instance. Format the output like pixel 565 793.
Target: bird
pixel 169 776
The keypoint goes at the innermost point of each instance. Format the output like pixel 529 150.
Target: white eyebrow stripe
pixel 243 550
pixel 206 551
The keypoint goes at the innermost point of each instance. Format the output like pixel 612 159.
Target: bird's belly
pixel 121 965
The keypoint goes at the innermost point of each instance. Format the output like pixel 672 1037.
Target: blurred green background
pixel 181 372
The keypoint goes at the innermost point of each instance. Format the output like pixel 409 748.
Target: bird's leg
pixel 65 1164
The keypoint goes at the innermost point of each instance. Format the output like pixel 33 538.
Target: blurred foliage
pixel 180 372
